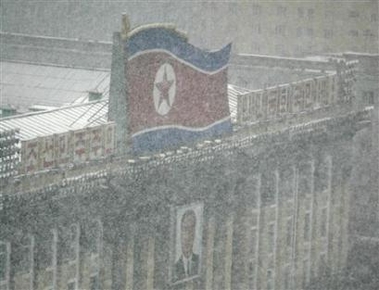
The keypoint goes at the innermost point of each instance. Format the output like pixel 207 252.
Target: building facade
pixel 259 27
pixel 269 203
pixel 275 212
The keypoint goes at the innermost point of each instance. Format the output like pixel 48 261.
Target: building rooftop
pixel 23 85
pixel 78 116
pixel 58 120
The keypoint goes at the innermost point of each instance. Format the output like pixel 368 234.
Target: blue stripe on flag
pixel 166 139
pixel 165 39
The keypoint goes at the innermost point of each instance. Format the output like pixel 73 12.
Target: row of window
pixel 365 33
pixel 355 14
pixel 287 182
pixel 282 30
pixel 68 243
pixel 309 13
pixel 289 269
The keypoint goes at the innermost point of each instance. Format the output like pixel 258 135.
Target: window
pixel 94 237
pixel 74 242
pixel 289 233
pixel 256 49
pixel 370 97
pixel 353 14
pixel 299 32
pixel 310 32
pixel 311 13
pixel 305 179
pixel 287 278
pixel 4 264
pixel 307 227
pixel 252 267
pixel 298 50
pixel 281 11
pixel 271 238
pixel 283 100
pixel 257 9
pixel 353 33
pixel 367 33
pixel 3 261
pixel 322 263
pixel 48 258
pixel 324 218
pixel 286 183
pixel 270 280
pixel 253 240
pixel 24 255
pixel 94 282
pixel 328 14
pixel 328 33
pixel 256 28
pixel 279 50
pixel 322 176
pixel 268 188
pixel 300 12
pixel 280 30
pixel 71 285
pixel 253 255
pixel 305 273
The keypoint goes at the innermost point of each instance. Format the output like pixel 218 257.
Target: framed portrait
pixel 187 229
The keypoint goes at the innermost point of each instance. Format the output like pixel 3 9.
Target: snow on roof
pixel 59 120
pixel 23 85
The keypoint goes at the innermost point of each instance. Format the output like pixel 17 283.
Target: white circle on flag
pixel 164 89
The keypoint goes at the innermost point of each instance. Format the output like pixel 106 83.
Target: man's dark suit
pixel 180 273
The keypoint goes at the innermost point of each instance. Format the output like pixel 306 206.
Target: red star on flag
pixel 164 88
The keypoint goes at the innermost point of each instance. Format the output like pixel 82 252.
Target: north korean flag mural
pixel 177 93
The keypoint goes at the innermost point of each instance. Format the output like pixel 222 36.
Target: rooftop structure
pixel 24 85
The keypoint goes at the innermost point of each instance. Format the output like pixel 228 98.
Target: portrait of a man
pixel 188 243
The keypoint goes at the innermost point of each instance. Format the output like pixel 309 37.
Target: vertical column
pixel 275 279
pixel 31 262
pixel 117 263
pixel 345 210
pixel 309 269
pixel 150 264
pixel 239 110
pixel 23 275
pixel 129 264
pixel 209 254
pixel 375 157
pixel 329 192
pixel 259 221
pixel 5 249
pixel 190 285
pixel 294 227
pixel 228 252
pixel 77 257
pixel 54 258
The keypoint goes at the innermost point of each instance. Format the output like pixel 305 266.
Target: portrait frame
pixel 177 213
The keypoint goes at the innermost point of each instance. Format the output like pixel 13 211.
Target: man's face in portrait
pixel 188 227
